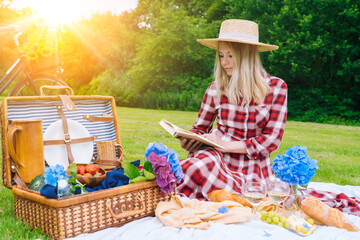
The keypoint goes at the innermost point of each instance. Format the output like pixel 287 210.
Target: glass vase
pixel 293 203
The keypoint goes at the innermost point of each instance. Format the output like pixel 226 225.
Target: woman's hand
pixel 212 137
pixel 230 147
pixel 190 145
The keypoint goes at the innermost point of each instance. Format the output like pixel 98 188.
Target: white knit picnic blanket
pixel 150 228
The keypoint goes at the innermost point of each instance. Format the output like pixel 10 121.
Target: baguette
pixel 222 195
pixel 323 213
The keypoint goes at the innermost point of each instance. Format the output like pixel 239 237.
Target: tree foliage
pixel 168 56
pixel 104 42
pixel 149 57
pixel 318 55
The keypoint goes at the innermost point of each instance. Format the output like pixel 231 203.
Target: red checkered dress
pixel 260 126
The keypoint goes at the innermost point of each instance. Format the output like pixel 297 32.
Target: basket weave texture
pixel 84 213
pixel 86 217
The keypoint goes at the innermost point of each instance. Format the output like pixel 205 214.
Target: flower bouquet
pixel 166 166
pixel 161 164
pixel 42 48
pixel 295 167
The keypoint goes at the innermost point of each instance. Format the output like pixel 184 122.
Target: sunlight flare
pixel 56 13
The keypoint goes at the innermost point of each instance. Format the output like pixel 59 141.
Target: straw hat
pixel 241 31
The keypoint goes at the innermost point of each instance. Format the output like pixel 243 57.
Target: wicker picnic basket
pixel 85 213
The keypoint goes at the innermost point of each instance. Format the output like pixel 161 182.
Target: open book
pixel 178 132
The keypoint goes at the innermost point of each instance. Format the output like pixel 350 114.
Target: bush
pixel 317 105
pixel 185 100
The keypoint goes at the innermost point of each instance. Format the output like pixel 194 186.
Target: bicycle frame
pixel 14 70
pixel 31 76
pixel 10 74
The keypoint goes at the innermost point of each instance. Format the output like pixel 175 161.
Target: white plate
pixel 56 154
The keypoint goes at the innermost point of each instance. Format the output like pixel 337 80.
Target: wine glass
pixel 254 192
pixel 279 191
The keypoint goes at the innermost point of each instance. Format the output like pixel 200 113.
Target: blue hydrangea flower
pixel 157 148
pixel 223 210
pixel 55 173
pixel 295 166
pixel 172 158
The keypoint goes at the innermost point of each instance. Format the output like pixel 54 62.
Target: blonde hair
pixel 248 76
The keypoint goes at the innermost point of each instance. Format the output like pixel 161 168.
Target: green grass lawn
pixel 337 149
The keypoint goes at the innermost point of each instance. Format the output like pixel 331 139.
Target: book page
pixel 177 132
pixel 168 126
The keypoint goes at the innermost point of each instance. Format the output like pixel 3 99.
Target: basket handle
pixel 55 87
pixel 124 213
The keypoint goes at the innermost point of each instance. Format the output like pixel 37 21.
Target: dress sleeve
pixel 207 113
pixel 270 138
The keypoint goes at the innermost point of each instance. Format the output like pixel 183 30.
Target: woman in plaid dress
pixel 250 109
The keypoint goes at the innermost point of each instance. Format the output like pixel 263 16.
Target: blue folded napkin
pixel 115 178
pixel 50 191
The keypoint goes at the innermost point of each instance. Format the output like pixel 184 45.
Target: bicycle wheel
pixel 23 88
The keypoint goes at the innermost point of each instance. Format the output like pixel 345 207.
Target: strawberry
pixel 90 168
pixel 80 170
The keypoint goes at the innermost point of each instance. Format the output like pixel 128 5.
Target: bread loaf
pixel 222 195
pixel 323 213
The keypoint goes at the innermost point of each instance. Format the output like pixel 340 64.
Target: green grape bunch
pixel 273 218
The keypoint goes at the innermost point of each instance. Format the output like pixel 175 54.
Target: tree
pixel 168 57
pixel 105 41
pixel 318 55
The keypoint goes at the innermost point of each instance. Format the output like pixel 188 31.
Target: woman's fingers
pixel 194 147
pixel 190 144
pixel 183 142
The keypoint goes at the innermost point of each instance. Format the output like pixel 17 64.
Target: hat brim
pixel 213 43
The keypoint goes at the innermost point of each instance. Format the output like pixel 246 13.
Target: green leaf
pixel 81 186
pixel 149 175
pixel 83 190
pixel 72 167
pixel 148 167
pixel 138 179
pixel 130 170
pixel 72 180
pixel 72 170
pixel 78 185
